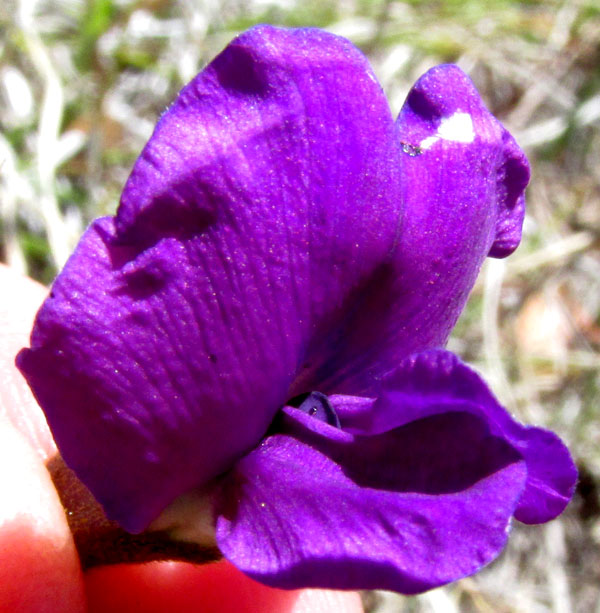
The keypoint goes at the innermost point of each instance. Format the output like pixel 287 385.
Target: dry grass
pixel 82 83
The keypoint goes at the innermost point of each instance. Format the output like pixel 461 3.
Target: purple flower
pixel 265 314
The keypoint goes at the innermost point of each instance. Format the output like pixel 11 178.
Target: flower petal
pixel 405 510
pixel 255 212
pixel 463 181
pixel 436 382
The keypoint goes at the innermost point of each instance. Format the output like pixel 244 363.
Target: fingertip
pixel 39 568
pixel 219 587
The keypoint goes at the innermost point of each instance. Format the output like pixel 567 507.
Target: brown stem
pixel 101 541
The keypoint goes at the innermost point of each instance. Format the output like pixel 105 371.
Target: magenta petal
pixel 463 178
pixel 436 382
pixel 405 510
pixel 256 212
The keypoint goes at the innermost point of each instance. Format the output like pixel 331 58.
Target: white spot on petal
pixel 428 142
pixel 457 128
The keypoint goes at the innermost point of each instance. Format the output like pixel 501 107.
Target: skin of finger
pixel 21 298
pixel 39 568
pixel 178 587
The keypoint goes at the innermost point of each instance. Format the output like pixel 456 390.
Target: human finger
pixel 39 568
pixel 21 298
pixel 180 587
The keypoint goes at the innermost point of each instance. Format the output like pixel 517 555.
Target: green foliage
pixel 96 20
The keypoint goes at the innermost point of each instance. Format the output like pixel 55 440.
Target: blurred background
pixel 82 84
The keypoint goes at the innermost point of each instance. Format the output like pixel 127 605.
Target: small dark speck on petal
pixel 412 150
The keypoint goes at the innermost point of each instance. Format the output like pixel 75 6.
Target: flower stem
pixel 101 541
